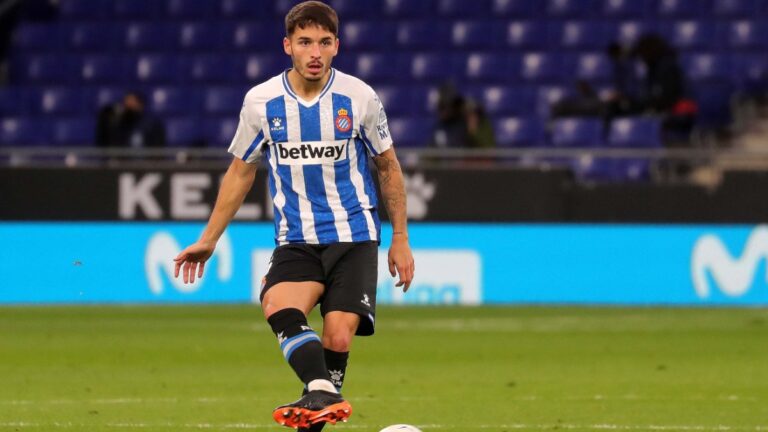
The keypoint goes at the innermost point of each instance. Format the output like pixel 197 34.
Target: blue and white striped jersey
pixel 317 151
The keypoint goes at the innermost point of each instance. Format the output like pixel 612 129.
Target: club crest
pixel 343 122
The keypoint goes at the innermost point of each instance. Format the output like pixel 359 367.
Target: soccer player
pixel 315 127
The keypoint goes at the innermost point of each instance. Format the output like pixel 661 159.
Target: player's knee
pixel 339 342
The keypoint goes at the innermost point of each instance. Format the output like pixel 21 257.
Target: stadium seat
pixel 517 8
pixel 751 71
pixel 250 36
pixel 707 67
pixel 541 67
pixel 519 132
pixel 746 35
pixel 409 8
pixel 242 9
pixel 527 35
pixel 477 34
pixel 680 8
pixel 175 101
pixel 735 8
pixel 150 36
pixel 435 66
pixel 22 131
pixel 577 132
pixel 546 96
pixel 216 68
pixel 714 101
pixel 509 101
pixel 259 67
pixel 627 32
pixel 30 37
pixel 635 132
pixel 105 69
pixel 411 131
pixel 400 100
pixel 48 69
pixel 219 132
pixel 78 10
pixel 63 100
pixel 224 100
pixel 16 101
pixel 593 67
pixel 492 68
pixel 579 35
pixel 355 9
pixel 90 37
pixel 200 36
pixel 138 9
pixel 367 35
pixel 688 35
pixel 78 131
pixel 611 170
pixel 184 132
pixel 158 69
pixel 464 8
pixel 104 96
pixel 570 8
pixel 196 9
pixel 423 35
pixel 625 8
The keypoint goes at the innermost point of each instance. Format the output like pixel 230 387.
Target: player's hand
pixel 192 260
pixel 401 261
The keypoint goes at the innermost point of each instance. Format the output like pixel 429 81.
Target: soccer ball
pixel 400 428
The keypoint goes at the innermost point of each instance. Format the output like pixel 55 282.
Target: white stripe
pixel 301 340
pixel 328 133
pixel 359 184
pixel 297 174
pixel 279 200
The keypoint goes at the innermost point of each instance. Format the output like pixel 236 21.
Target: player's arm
pixel 394 197
pixel 234 186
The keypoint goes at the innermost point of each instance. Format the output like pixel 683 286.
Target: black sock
pixel 337 369
pixel 300 344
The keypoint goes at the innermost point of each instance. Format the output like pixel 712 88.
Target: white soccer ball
pixel 400 428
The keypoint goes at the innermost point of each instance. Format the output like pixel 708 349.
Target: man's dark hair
pixel 312 13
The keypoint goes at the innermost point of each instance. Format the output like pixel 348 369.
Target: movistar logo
pixel 163 247
pixel 733 275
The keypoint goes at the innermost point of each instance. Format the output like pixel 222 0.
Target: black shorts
pixel 347 270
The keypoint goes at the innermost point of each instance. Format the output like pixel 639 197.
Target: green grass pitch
pixel 186 368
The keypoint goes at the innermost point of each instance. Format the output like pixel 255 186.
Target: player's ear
pixel 337 47
pixel 287 46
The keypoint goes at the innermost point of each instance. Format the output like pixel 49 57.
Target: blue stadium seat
pixel 16 101
pixel 571 8
pixel 158 69
pixel 627 32
pixel 63 100
pixel 240 9
pixel 612 170
pixel 527 35
pixel 184 132
pixel 714 101
pixel 593 67
pixel 579 35
pixel 192 9
pixel 691 34
pixel 368 35
pixel 435 66
pixel 625 8
pixel 423 35
pixel 138 9
pixel 401 100
pixel 216 68
pixel 94 36
pixel 200 36
pixel 464 8
pixel 477 34
pixel 355 9
pixel 175 101
pixel 541 67
pixel 105 69
pixel 224 100
pixel 577 132
pixel 150 36
pixel 492 67
pixel 250 36
pixel 37 37
pixel 411 131
pixel 74 10
pixel 519 132
pixel 751 71
pixel 220 131
pixel 707 67
pixel 45 69
pixel 635 132
pixel 680 8
pixel 517 8
pixel 281 7
pixel 77 131
pixel 22 131
pixel 746 34
pixel 259 67
pixel 508 101
pixel 104 96
pixel 735 8
pixel 409 8
pixel 546 96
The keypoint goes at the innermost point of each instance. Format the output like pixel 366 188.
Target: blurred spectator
pixel 127 124
pixel 451 130
pixel 584 103
pixel 622 98
pixel 479 128
pixel 664 81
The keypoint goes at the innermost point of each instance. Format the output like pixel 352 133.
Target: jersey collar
pixel 314 100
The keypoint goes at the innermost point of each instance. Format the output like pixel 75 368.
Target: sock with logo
pixel 337 369
pixel 302 348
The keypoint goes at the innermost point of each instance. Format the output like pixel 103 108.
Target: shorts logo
pixel 343 122
pixel 366 300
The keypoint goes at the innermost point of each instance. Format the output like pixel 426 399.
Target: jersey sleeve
pixel 249 137
pixel 374 128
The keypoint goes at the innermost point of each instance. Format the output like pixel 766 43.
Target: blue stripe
pixel 287 85
pixel 256 141
pixel 313 178
pixel 370 189
pixel 273 193
pixel 312 338
pixel 368 142
pixel 342 102
pixel 344 186
pixel 276 110
pixel 329 83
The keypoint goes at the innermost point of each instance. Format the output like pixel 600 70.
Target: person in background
pixel 479 128
pixel 127 124
pixel 451 129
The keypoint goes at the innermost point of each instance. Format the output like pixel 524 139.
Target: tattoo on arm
pixel 392 190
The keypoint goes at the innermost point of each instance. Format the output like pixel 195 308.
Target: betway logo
pixel 733 276
pixel 311 152
pixel 162 248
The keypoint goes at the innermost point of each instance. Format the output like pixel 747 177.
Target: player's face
pixel 311 49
